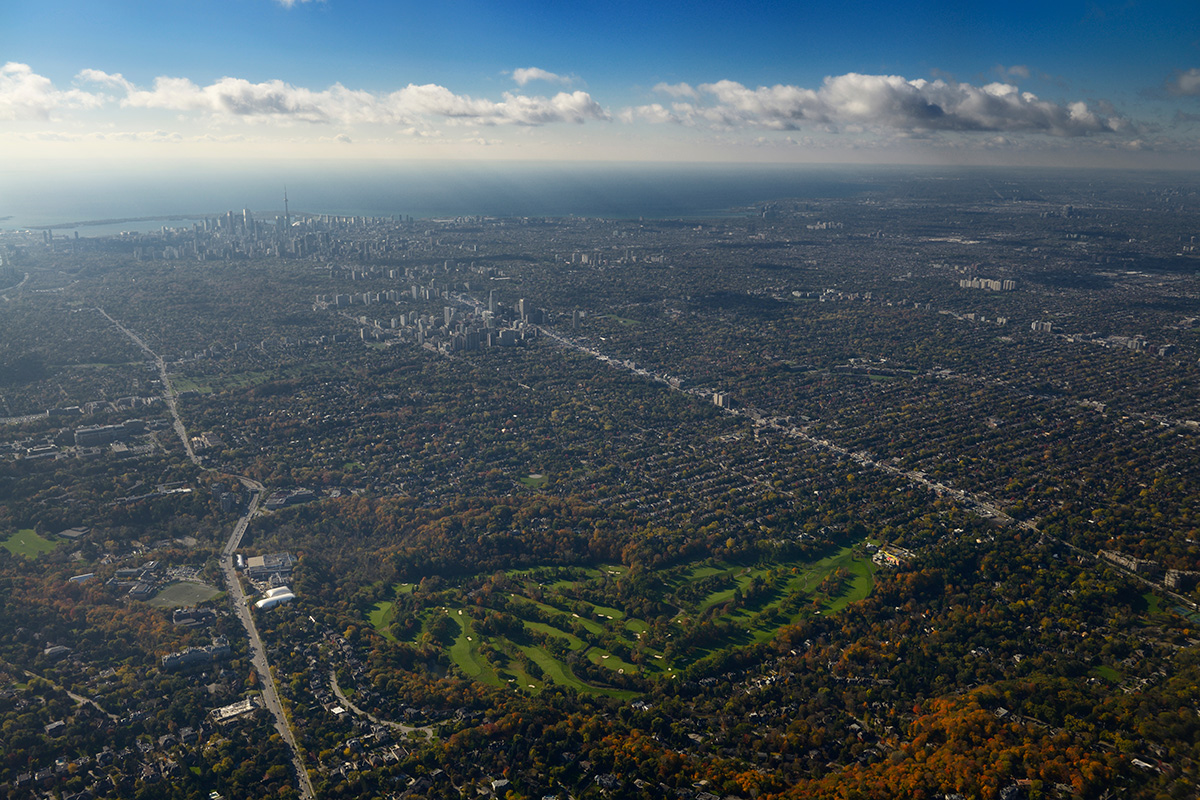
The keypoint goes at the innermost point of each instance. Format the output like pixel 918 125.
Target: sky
pixel 144 83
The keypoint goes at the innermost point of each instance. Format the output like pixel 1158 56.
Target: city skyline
pixel 1080 84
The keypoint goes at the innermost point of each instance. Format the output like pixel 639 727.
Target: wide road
pixel 168 395
pixel 258 654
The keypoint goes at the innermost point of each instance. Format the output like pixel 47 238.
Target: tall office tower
pixel 521 308
pixel 492 301
pixel 287 218
pixel 448 314
pixel 247 220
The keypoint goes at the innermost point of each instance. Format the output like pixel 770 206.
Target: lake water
pixel 32 199
pixel 37 196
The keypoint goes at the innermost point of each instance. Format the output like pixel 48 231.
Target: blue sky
pixel 1105 83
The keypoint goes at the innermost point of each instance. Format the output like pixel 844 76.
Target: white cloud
pixel 1185 83
pixel 26 95
pixel 434 100
pixel 651 113
pixel 854 106
pixel 676 89
pixel 524 75
pixel 258 102
pixel 116 80
pixel 281 102
pixel 886 101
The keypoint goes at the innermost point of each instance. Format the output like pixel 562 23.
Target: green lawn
pixel 465 652
pixel 183 594
pixel 182 384
pixel 534 480
pixel 381 619
pixel 573 641
pixel 611 613
pixel 725 595
pixel 857 587
pixel 604 658
pixel 623 320
pixel 789 597
pixel 27 543
pixel 554 669
pixel 567 616
pixel 1153 606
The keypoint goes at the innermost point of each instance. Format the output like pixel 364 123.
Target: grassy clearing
pixel 183 593
pixel 534 480
pixel 182 384
pixel 611 613
pixel 609 660
pixel 1108 673
pixel 743 580
pixel 573 641
pixel 858 586
pixel 381 619
pixel 554 669
pixel 1153 605
pixel 543 606
pixel 465 652
pixel 791 594
pixel 789 603
pixel 636 626
pixel 242 380
pixel 567 616
pixel 626 321
pixel 26 542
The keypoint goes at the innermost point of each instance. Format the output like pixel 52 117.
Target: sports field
pixel 26 542
pixel 183 594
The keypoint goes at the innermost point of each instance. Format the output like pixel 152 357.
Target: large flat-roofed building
pixel 261 568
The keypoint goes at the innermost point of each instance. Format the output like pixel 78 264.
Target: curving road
pixel 397 726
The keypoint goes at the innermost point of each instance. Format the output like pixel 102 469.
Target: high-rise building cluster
pixel 1006 285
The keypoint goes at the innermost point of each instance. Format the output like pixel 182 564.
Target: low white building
pixel 275 597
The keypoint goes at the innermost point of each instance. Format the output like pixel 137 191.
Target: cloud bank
pixel 25 95
pixel 884 101
pixel 859 107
